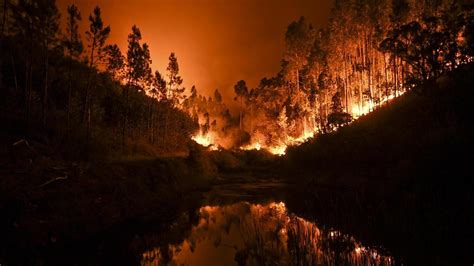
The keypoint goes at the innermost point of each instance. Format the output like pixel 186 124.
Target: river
pixel 250 224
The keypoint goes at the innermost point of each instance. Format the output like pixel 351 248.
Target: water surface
pixel 245 233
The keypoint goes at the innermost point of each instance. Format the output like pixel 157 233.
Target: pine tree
pixel 96 37
pixel 175 92
pixel 241 91
pixel 139 75
pixel 73 45
pixel 159 84
pixel 115 62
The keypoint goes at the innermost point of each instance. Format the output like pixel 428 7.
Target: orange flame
pixel 206 140
pixel 279 148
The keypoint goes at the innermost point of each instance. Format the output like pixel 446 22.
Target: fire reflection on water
pixel 254 234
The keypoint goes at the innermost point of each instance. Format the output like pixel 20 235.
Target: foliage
pixel 371 52
pixel 105 93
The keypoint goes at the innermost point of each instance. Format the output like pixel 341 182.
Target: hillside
pixel 401 173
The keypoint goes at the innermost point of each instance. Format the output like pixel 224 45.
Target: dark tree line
pixel 85 92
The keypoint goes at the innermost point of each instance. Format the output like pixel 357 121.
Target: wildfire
pixel 279 148
pixel 358 111
pixel 275 150
pixel 305 136
pixel 251 147
pixel 206 140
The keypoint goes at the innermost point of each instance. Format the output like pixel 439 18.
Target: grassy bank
pixel 50 205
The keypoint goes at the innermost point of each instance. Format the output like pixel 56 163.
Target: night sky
pixel 217 42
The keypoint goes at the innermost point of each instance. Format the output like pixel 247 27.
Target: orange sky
pixel 217 42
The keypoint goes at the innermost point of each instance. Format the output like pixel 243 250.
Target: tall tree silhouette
pixel 175 93
pixel 48 26
pixel 299 39
pixel 241 91
pixel 96 38
pixel 115 62
pixel 36 25
pixel 73 46
pixel 138 69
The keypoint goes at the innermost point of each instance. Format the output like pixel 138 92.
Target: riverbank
pixel 49 204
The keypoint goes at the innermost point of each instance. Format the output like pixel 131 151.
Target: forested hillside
pixel 72 87
pixel 79 93
pixel 370 52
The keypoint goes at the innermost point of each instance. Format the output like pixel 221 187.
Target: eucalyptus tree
pixel 299 39
pixel 241 92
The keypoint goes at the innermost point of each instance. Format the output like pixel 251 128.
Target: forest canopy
pixel 86 92
pixel 370 52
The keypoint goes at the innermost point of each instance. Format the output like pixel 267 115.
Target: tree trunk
pixel 125 117
pixel 28 87
pixel 251 119
pixel 89 128
pixel 88 84
pixel 369 71
pixel 5 11
pixel 45 89
pixel 346 87
pixel 150 120
pixel 240 116
pixel 69 95
pixel 360 92
pixel 386 77
pixel 14 72
pixel 395 70
pixel 166 125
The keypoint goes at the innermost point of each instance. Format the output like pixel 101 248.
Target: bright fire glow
pixel 232 228
pixel 251 147
pixel 279 148
pixel 205 140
